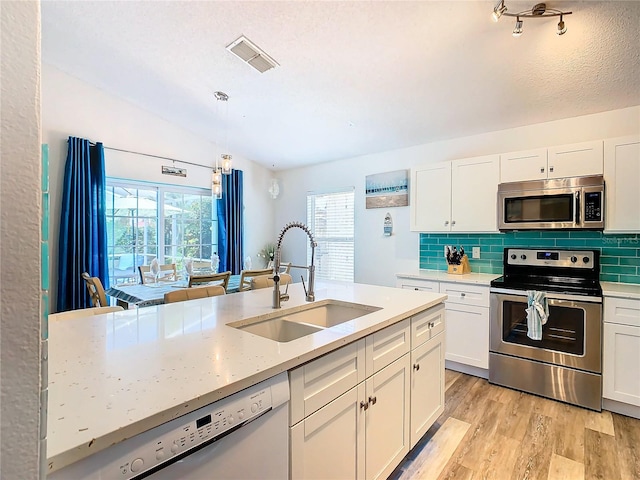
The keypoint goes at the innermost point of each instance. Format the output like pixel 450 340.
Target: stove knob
pixel 574 259
pixel 585 259
pixel 523 256
pixel 513 256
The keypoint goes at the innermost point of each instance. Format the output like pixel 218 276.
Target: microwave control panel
pixel 593 206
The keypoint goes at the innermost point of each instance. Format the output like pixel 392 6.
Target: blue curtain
pixel 230 221
pixel 82 243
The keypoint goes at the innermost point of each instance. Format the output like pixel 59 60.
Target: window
pixel 331 219
pixel 137 212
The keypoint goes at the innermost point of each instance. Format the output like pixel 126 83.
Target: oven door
pixel 571 337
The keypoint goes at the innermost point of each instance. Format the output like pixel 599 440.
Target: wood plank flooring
pixel 490 432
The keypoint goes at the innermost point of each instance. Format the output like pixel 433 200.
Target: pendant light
pixel 225 157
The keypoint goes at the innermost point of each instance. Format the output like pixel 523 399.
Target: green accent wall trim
pixel 619 254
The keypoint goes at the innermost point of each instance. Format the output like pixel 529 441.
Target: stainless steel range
pixel 566 362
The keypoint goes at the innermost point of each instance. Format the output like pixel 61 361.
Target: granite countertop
pixel 443 276
pixel 620 290
pixel 116 375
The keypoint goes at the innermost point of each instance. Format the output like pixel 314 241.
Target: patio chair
pixel 168 273
pixel 221 279
pixel 96 291
pixel 247 275
pixel 192 293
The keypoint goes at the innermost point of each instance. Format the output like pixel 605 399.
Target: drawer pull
pixel 431 324
pixel 373 400
pixel 364 405
pixel 416 288
pixel 462 294
pixel 416 366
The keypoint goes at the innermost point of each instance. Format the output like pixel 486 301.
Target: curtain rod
pixel 155 156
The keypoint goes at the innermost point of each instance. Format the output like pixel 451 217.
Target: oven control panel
pixel 550 258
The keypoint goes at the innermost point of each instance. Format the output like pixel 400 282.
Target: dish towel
pixel 537 314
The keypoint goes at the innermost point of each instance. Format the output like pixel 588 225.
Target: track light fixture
pixel 539 10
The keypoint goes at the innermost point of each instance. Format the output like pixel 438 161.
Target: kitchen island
pixel 114 376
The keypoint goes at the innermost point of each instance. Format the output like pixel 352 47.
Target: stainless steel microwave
pixel 561 203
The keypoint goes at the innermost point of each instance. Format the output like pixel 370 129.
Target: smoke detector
pixel 249 53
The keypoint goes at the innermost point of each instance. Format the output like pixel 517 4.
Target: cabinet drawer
pixel 417 284
pixel 466 294
pixel 622 311
pixel 387 345
pixel 316 383
pixel 426 325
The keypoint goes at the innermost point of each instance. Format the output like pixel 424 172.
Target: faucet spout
pixel 310 295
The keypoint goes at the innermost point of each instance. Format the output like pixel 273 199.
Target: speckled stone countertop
pixel 620 290
pixel 116 375
pixel 443 276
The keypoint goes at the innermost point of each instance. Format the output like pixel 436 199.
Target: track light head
pixel 562 29
pixel 498 11
pixel 517 30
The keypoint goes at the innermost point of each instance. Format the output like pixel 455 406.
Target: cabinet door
pixel 526 165
pixel 622 184
pixel 467 338
pixel 387 418
pixel 474 193
pixel 576 160
pixel 431 198
pixel 621 364
pixel 427 386
pixel 330 444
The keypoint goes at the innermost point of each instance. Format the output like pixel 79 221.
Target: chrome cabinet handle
pixel 373 400
pixel 551 169
pixel 364 405
pixel 446 222
pixel 542 170
pixel 431 324
pixel 416 288
pixel 453 222
pixel 416 366
pixel 462 294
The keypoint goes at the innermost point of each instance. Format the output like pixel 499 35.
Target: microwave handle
pixel 577 208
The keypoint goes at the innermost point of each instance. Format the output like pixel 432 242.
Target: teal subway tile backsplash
pixel 620 254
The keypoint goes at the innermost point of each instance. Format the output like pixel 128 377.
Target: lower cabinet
pixel 427 386
pixel 621 351
pixel 367 423
pixel 363 434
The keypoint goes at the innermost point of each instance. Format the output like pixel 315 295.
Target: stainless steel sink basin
pixel 284 326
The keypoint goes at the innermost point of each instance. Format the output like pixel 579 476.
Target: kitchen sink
pixel 284 326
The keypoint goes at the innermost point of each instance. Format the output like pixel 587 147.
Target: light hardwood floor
pixel 491 432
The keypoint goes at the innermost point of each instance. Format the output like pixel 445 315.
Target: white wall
pixel 72 107
pixel 20 211
pixel 379 258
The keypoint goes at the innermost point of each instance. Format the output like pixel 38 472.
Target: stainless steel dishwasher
pixel 243 436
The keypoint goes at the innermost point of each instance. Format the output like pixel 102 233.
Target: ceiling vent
pixel 248 52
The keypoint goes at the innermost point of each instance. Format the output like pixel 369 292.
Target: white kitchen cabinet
pixel 363 434
pixel 455 196
pixel 621 355
pixel 427 385
pixel 467 316
pixel 622 184
pixel 330 443
pixel 387 418
pixel 574 160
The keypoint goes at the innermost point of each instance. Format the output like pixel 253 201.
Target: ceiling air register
pixel 249 53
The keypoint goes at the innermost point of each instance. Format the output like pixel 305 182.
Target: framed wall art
pixel 390 189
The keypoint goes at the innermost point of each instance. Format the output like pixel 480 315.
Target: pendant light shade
pixel 226 164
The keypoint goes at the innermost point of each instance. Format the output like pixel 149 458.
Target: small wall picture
pixel 390 189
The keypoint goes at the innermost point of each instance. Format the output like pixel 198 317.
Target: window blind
pixel 330 216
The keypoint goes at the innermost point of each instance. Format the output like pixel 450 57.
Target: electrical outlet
pixel 475 252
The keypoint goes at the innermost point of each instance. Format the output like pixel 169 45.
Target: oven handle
pixel 550 295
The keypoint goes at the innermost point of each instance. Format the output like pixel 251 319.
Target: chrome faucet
pixel 277 296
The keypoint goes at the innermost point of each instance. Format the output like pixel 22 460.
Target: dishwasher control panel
pixel 139 456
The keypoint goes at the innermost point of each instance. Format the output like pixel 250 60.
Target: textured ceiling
pixel 354 77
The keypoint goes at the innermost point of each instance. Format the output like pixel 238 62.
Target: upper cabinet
pixel 573 160
pixel 622 184
pixel 456 196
